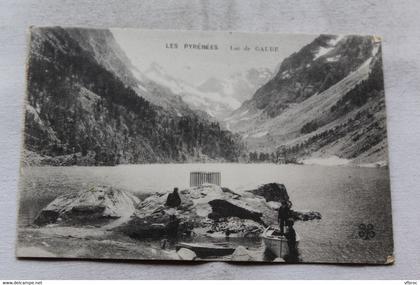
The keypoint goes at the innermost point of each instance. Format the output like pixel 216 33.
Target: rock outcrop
pixel 222 209
pixel 205 210
pixel 209 210
pixel 272 192
pixel 305 215
pixel 155 225
pixel 95 205
pixel 242 254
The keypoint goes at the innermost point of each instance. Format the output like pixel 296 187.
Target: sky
pixel 143 47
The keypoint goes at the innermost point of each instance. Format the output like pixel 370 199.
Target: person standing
pixel 172 226
pixel 291 236
pixel 284 214
pixel 293 254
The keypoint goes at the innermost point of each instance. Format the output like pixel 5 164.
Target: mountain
pixel 85 106
pixel 326 100
pixel 217 97
pixel 100 43
pixel 240 85
pixel 214 104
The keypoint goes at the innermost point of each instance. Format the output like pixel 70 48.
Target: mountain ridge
pixel 88 104
pixel 320 104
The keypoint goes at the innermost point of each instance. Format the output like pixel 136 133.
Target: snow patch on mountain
pixel 381 163
pixel 260 134
pixel 334 42
pixel 331 45
pixel 326 161
pixel 285 74
pixel 333 58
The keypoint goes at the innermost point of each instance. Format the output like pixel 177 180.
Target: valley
pixel 325 100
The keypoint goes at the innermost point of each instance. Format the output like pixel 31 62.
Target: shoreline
pixel 98 243
pixel 379 164
pixel 32 159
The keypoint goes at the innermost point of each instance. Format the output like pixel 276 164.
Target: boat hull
pixel 277 247
pixel 206 250
pixel 276 244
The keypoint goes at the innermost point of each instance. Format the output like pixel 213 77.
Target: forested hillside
pixel 83 108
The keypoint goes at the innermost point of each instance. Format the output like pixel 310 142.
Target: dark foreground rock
pixel 154 226
pixel 272 192
pixel 95 205
pixel 222 209
pixel 305 216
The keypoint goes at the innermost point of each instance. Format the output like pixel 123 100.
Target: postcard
pixel 204 146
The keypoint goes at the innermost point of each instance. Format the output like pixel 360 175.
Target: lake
pixel 346 197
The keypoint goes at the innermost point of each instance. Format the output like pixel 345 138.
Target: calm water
pixel 345 196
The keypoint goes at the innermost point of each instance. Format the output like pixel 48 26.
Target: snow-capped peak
pixel 214 103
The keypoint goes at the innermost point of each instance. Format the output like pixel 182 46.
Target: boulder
pixel 137 228
pixel 305 215
pixel 243 254
pixel 156 226
pixel 227 190
pixel 186 254
pixel 272 192
pixel 47 217
pixel 223 208
pixel 95 205
pixel 236 227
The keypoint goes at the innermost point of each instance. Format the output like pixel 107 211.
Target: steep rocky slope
pixel 214 104
pixel 239 86
pixel 326 100
pixel 216 97
pixel 85 107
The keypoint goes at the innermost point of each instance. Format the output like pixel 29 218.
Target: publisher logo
pixel 366 231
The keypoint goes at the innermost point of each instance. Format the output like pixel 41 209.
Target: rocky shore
pixel 104 222
pixel 208 210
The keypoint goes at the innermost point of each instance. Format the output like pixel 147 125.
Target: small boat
pixel 207 249
pixel 276 243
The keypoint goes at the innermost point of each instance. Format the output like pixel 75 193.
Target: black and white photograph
pixel 204 146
